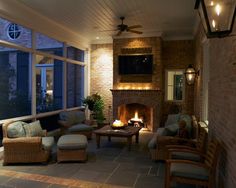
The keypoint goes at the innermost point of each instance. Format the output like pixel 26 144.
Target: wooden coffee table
pixel 126 132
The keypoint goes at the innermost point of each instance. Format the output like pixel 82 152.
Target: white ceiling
pixel 171 19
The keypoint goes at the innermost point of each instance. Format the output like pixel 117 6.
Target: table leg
pixel 98 140
pixel 137 138
pixel 129 140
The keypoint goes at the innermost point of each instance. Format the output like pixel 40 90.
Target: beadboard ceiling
pixel 171 19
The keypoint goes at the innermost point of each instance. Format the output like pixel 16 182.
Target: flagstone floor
pixel 112 165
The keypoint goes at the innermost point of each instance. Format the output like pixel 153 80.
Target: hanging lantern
pixel 190 74
pixel 217 16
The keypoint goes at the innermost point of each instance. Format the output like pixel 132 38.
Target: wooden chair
pixel 195 173
pixel 191 151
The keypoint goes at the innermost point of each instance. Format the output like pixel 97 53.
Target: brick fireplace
pixel 138 92
pixel 149 99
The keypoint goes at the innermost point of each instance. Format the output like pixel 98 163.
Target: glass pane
pixel 75 85
pixel 75 53
pixel 15 33
pixel 15 77
pixel 49 82
pixel 178 87
pixel 49 45
pixel 170 93
pixel 170 78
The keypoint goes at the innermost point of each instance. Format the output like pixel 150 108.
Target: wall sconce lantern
pixel 217 16
pixel 190 74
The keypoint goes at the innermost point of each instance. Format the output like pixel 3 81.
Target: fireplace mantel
pixel 147 97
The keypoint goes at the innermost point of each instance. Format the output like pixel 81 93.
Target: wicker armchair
pixel 23 149
pixel 194 173
pixel 160 152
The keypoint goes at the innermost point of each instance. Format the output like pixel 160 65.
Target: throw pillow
pixel 33 129
pixel 171 119
pixel 16 130
pixel 188 121
pixel 171 130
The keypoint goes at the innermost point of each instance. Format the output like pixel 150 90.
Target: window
pixel 49 75
pixel 49 45
pixel 75 85
pixel 19 65
pixel 14 31
pixel 75 53
pixel 174 85
pixel 15 76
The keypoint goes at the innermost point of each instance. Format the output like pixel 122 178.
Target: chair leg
pixel 167 176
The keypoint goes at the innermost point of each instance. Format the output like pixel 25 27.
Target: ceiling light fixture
pixel 217 16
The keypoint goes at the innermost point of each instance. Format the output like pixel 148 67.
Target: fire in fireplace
pixel 136 121
pixel 135 114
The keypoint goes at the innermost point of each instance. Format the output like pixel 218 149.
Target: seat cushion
pixel 189 171
pixel 48 142
pixel 16 129
pixel 71 142
pixel 80 127
pixel 186 156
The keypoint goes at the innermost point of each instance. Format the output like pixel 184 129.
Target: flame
pixel 136 115
pixel 136 118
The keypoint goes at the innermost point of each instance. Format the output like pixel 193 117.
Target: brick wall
pixel 222 102
pixel 178 55
pixel 101 74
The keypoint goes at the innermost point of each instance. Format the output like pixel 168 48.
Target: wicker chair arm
pixel 44 133
pixel 23 143
pixel 63 123
pixel 88 122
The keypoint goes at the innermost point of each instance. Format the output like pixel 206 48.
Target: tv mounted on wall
pixel 135 64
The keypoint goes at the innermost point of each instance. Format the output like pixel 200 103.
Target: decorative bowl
pixel 117 127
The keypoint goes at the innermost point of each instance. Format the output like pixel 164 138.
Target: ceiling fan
pixel 122 27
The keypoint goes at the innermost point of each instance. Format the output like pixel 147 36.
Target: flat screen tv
pixel 135 64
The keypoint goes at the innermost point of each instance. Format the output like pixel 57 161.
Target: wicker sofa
pixel 22 148
pixel 165 135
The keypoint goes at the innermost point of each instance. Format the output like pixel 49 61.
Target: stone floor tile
pixel 20 183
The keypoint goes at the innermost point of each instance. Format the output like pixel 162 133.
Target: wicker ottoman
pixel 72 148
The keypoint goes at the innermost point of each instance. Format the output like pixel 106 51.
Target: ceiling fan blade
pixel 134 26
pixel 119 33
pixel 108 30
pixel 133 31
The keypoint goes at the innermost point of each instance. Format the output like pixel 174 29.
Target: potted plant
pixel 96 105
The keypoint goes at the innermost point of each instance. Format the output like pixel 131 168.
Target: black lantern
pixel 190 74
pixel 217 16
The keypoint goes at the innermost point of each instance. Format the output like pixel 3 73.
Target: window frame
pixel 33 51
pixel 166 85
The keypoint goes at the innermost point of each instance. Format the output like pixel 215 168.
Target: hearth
pixel 147 103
